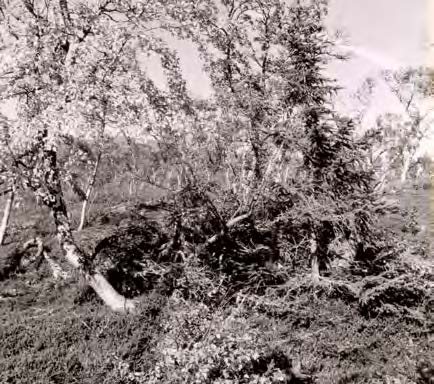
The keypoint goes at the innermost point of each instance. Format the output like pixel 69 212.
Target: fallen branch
pixel 37 257
pixel 16 260
pixel 40 255
pixel 231 223
pixel 56 269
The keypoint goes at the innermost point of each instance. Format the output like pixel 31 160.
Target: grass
pixel 47 338
pixel 50 334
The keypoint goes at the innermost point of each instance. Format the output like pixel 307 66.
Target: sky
pixel 382 34
pixel 392 29
pixel 379 34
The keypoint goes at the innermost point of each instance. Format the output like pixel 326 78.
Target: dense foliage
pixel 248 225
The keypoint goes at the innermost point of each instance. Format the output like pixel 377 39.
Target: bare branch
pixel 231 223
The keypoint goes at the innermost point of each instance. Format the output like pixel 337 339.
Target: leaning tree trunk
pixel 6 215
pixel 77 258
pixel 88 193
pixel 46 183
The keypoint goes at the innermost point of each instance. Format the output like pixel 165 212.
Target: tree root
pixel 18 260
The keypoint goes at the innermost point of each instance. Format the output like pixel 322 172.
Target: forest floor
pixel 51 332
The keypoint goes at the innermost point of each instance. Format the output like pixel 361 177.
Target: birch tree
pixel 269 126
pixel 7 212
pixel 404 133
pixel 9 180
pixel 74 68
pixel 275 120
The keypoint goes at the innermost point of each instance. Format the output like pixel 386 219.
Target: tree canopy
pixel 266 145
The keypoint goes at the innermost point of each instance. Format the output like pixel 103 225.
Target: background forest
pixel 255 236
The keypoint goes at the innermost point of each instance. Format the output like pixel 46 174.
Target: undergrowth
pixel 46 338
pixel 232 311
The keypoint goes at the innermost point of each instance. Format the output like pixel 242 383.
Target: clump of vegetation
pixel 241 237
pixel 380 294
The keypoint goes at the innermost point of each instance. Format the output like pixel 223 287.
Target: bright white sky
pixel 383 34
pixel 392 29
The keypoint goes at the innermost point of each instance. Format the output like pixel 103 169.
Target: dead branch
pixel 42 254
pixel 14 259
pixel 231 223
pixel 56 269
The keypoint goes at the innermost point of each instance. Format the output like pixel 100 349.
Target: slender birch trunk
pixel 405 166
pixel 88 193
pixel 314 264
pixel 52 196
pixel 6 215
pixel 315 270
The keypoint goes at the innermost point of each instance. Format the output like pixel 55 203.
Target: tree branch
pixel 231 223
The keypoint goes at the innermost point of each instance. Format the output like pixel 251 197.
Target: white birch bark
pixel 6 215
pixel 88 193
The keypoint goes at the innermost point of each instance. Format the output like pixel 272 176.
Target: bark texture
pixel 45 182
pixel 314 262
pixel 6 215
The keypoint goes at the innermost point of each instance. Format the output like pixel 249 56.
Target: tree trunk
pixel 130 189
pixel 314 260
pixel 56 269
pixel 109 295
pixel 315 270
pixel 6 215
pixel 79 260
pixel 405 166
pixel 63 5
pixel 98 282
pixel 88 193
pixel 51 193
